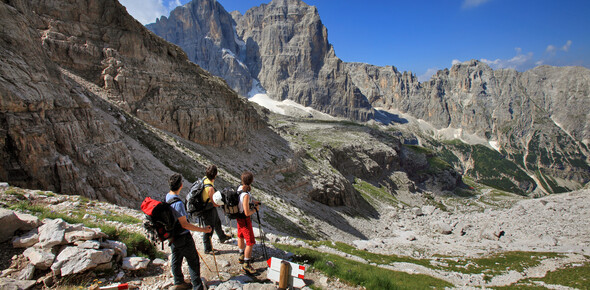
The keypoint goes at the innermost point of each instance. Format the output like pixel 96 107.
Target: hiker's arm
pixel 246 203
pixel 185 224
pixel 211 191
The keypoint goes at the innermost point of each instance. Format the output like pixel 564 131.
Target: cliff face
pixel 283 46
pixel 205 31
pixel 52 135
pixel 538 118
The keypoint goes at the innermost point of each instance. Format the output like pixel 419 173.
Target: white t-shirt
pixel 242 195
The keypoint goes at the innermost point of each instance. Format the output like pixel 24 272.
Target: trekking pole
pixel 216 269
pixel 262 234
pixel 204 261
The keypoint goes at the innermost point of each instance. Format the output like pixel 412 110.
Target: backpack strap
pixel 175 200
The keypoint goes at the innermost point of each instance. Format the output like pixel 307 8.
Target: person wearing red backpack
pixel 183 245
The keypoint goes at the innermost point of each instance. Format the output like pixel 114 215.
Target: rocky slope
pixel 451 244
pixel 75 79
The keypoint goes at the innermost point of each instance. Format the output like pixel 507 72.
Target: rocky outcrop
pixel 53 136
pixel 205 31
pixel 287 50
pixel 282 46
pixel 521 112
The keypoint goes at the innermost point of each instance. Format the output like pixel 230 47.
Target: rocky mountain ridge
pixel 531 118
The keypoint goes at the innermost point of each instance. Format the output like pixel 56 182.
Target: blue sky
pixel 423 36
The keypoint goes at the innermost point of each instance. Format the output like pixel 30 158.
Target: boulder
pixel 41 259
pixel 443 228
pixel 92 244
pixel 28 222
pixel 27 240
pixel 52 233
pixel 9 223
pixel 84 234
pixel 27 273
pixel 119 247
pixel 417 211
pixel 74 260
pixel 8 283
pixel 428 209
pixel 135 263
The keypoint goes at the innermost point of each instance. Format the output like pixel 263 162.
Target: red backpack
pixel 161 224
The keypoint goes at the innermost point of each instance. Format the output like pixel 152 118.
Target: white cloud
pixel 428 74
pixel 550 49
pixel 473 3
pixel 567 46
pixel 146 11
pixel 519 62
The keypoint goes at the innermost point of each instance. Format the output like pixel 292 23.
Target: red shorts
pixel 245 231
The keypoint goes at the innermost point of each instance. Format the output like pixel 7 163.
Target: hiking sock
pixel 241 257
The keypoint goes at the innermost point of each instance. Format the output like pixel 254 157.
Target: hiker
pixel 210 216
pixel 247 206
pixel 183 245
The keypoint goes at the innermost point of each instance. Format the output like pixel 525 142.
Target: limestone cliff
pixel 53 133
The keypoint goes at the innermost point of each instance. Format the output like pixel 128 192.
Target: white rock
pixel 442 228
pixel 135 263
pixel 159 262
pixel 9 223
pixel 51 233
pixel 417 211
pixel 91 244
pixel 84 234
pixel 39 258
pixel 8 283
pixel 27 240
pixel 119 247
pixel 76 260
pixel 28 222
pixel 27 273
pixel 428 209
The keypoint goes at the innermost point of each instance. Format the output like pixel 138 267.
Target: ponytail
pixel 247 179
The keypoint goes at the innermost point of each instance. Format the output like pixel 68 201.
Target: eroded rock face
pixel 521 112
pixel 53 137
pixel 205 31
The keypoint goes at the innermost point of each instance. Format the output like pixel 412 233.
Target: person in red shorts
pixel 247 206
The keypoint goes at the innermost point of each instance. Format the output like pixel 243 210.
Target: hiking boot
pixel 225 239
pixel 212 252
pixel 182 286
pixel 247 267
pixel 241 258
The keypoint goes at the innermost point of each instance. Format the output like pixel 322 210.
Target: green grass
pixel 575 277
pixel 122 218
pixel 356 273
pixel 373 192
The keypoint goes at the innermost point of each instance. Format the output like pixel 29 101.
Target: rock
pixel 74 260
pixel 104 267
pixel 428 209
pixel 52 233
pixel 9 223
pixel 442 228
pixel 27 240
pixel 84 234
pixel 230 285
pixel 88 244
pixel 29 222
pixel 119 276
pixel 159 262
pixel 119 247
pixel 135 263
pixel 3 185
pixel 41 259
pixel 8 283
pixel 27 273
pixel 223 263
pixel 417 211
